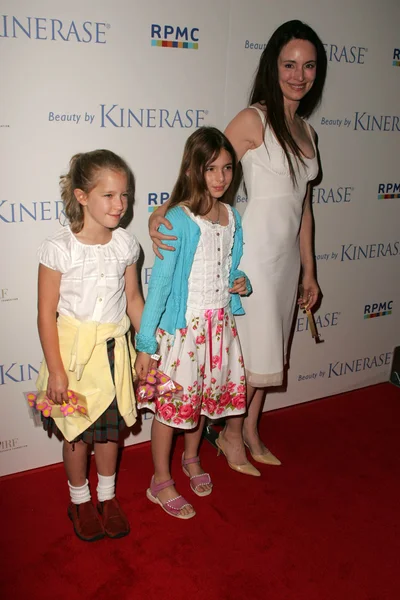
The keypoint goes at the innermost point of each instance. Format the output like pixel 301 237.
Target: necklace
pixel 218 217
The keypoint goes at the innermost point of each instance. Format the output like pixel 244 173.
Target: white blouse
pixel 209 277
pixel 92 282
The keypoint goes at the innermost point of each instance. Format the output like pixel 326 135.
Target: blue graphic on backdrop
pixel 151 117
pixel 18 212
pixel 338 369
pixel 147 275
pixel 330 319
pixel 378 309
pixel 337 195
pixel 55 30
pixel 361 252
pixel 357 365
pixel 363 121
pixel 388 190
pixel 354 55
pixel 113 115
pixel 15 373
pixel 249 45
pixel 369 251
pixel 345 54
pixel 156 199
pixel 321 257
pixel 170 36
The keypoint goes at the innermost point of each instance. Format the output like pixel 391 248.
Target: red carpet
pixel 324 526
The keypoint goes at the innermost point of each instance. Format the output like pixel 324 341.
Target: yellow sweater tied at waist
pixel 83 348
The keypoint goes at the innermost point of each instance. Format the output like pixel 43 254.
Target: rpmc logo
pixel 156 199
pixel 169 36
pixel 396 57
pixel 378 309
pixel 388 190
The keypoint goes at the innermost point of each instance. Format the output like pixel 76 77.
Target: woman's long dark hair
pixel 201 149
pixel 266 89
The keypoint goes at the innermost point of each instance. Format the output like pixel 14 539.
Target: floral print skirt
pixel 205 358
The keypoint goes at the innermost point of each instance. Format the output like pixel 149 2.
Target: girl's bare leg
pixel 192 441
pixel 75 458
pixel 161 442
pixel 106 455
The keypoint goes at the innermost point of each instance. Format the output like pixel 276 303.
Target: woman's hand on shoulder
pixel 156 219
pixel 245 131
pixel 57 387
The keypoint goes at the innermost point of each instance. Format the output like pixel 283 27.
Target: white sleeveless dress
pixel 271 256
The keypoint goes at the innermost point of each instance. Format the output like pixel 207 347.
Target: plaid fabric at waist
pixel 107 427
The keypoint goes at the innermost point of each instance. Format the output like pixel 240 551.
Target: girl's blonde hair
pixel 83 173
pixel 201 149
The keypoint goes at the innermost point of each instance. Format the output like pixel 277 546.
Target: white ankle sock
pixel 105 487
pixel 81 494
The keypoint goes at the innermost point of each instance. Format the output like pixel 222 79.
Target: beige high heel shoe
pixel 247 468
pixel 266 459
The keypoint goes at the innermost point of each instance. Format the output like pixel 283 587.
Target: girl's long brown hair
pixel 201 149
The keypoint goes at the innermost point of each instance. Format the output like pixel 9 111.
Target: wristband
pixel 155 357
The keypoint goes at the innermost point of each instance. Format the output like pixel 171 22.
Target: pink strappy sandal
pixel 196 480
pixel 174 506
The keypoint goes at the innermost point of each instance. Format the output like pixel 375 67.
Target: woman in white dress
pixel 279 158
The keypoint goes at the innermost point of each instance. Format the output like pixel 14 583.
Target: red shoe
pixel 115 523
pixel 85 519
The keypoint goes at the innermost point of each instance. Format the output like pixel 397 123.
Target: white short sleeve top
pixel 92 276
pixel 209 277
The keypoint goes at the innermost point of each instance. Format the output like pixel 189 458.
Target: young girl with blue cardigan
pixel 188 319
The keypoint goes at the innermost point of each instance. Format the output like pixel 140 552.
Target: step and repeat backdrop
pixel 138 78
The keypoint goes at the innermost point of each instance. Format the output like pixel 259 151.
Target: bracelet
pixel 155 357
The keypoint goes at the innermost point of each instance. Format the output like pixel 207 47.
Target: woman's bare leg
pixel 233 436
pixel 256 397
pixel 255 402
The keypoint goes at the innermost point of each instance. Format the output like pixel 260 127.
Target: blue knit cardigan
pixel 168 288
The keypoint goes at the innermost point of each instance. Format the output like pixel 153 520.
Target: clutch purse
pixel 76 405
pixel 157 384
pixel 312 326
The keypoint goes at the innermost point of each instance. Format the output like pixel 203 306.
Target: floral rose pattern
pixel 212 376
